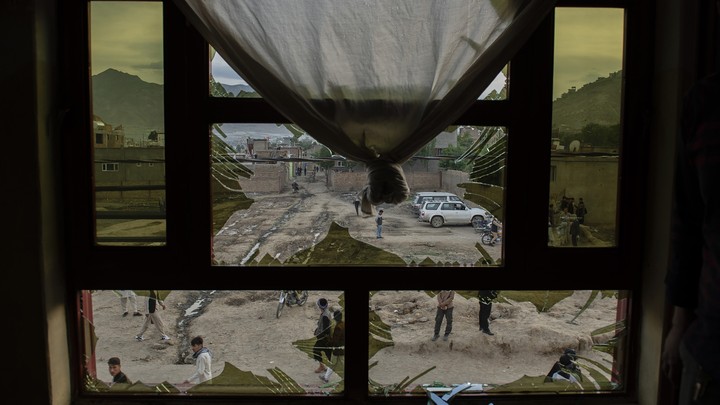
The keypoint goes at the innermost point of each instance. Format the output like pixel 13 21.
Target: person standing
pixel 575 231
pixel 116 372
pixel 551 225
pixel 128 296
pixel 486 298
pixel 357 205
pixel 337 343
pixel 495 230
pixel 444 310
pixel 153 317
pixel 563 229
pixel 322 334
pixel 581 211
pixel 203 362
pixel 379 223
pixel 691 354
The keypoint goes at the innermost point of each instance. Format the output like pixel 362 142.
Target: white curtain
pixel 373 80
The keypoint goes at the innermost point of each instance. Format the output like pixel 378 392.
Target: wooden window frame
pixel 529 264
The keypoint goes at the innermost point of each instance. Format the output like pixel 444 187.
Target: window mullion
pixel 188 142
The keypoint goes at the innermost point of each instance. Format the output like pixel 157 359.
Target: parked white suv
pixel 425 196
pixel 440 213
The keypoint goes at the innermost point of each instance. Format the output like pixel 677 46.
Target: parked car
pixel 421 197
pixel 450 213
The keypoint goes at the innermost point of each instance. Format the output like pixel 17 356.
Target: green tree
pixel 593 134
pixel 601 135
pixel 325 153
pixel 464 142
pixel 305 142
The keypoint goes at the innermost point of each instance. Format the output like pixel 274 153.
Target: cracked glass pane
pixel 281 198
pixel 492 341
pixel 250 342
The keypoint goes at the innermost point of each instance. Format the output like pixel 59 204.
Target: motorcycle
pixel 290 297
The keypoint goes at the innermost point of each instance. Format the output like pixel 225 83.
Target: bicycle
pixel 485 229
pixel 289 297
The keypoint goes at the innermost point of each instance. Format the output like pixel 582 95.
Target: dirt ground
pixel 240 328
pixel 280 225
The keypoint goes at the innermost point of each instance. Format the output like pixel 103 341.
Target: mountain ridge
pixel 596 102
pixel 123 99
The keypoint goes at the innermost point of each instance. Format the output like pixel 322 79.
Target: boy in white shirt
pixel 203 362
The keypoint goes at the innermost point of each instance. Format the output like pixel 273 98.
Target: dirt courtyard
pixel 280 225
pixel 245 337
pixel 240 328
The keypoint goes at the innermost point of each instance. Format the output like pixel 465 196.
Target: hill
pixel 597 102
pixel 236 89
pixel 123 99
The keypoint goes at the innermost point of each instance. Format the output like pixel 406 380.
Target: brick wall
pixel 451 179
pixel 268 178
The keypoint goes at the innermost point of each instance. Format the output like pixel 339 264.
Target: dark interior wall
pixel 661 124
pixel 35 332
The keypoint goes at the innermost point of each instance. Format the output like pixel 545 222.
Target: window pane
pixel 225 82
pixel 260 219
pixel 128 123
pixel 585 148
pixel 254 348
pixel 526 333
pixel 498 89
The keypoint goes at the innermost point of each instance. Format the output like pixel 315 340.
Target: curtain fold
pixel 373 80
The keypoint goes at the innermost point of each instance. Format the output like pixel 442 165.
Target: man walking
pixel 337 342
pixel 379 222
pixel 153 317
pixel 322 334
pixel 486 298
pixel 357 205
pixel 444 310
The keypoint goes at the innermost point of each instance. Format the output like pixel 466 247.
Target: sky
pixel 588 45
pixel 127 36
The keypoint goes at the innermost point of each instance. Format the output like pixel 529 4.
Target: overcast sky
pixel 588 45
pixel 127 36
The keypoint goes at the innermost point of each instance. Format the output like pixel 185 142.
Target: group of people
pixel 378 218
pixel 329 334
pixel 571 216
pixel 330 339
pixel 129 297
pixel 445 312
pixel 201 354
pixel 203 365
